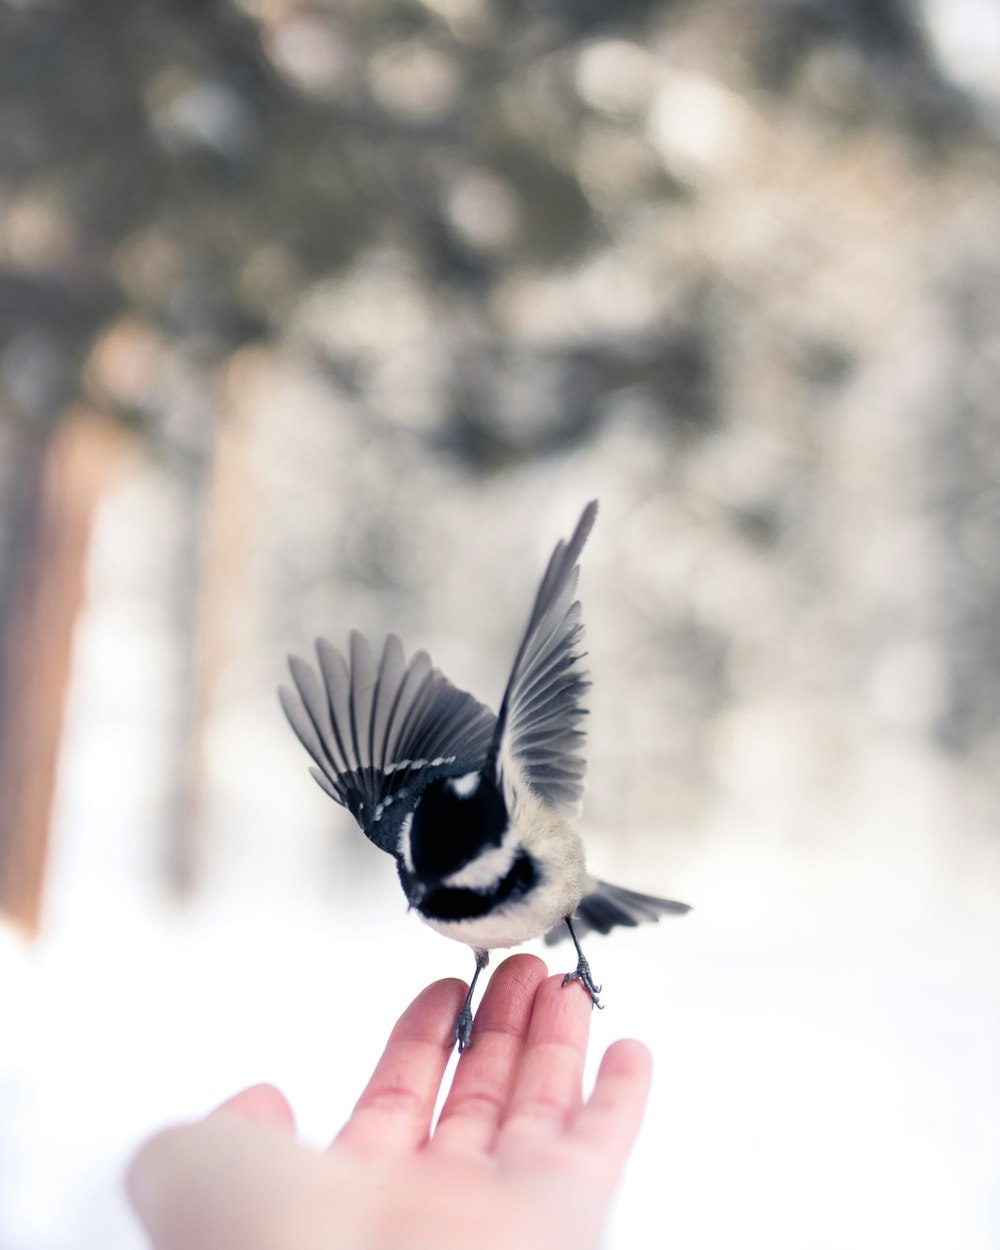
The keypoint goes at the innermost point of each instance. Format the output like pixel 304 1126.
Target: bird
pixel 476 809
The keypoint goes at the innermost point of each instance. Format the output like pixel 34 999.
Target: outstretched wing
pixel 605 906
pixel 537 729
pixel 379 736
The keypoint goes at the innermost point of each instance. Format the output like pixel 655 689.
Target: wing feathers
pixel 372 727
pixel 536 730
pixel 324 783
pixel 376 733
pixel 337 682
pixel 361 696
pixel 298 717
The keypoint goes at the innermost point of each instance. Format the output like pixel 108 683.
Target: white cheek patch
pixel 489 868
pixel 404 841
pixel 462 787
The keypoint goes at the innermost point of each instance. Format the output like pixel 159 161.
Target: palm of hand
pixel 516 1157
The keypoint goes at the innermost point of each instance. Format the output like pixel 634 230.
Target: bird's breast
pixel 542 899
pixel 525 918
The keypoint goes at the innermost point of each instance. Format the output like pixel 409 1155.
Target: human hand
pixel 517 1158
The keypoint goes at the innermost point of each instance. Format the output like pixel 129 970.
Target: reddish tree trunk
pixel 70 468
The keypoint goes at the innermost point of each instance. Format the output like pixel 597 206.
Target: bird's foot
pixel 586 979
pixel 461 1034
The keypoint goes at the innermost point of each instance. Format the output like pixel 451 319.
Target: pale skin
pixel 517 1158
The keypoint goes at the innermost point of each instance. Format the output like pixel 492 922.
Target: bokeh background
pixel 329 313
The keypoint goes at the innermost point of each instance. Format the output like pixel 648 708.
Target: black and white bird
pixel 474 808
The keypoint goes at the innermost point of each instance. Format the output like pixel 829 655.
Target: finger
pixel 222 1184
pixel 393 1115
pixel 485 1076
pixel 548 1087
pixel 263 1104
pixel 607 1126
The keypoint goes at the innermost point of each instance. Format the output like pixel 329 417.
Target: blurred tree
pixel 72 471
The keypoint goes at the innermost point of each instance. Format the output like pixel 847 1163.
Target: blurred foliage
pixel 495 228
pixel 197 166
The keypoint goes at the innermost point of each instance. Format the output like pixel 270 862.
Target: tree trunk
pixel 63 476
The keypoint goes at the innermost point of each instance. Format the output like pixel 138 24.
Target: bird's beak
pixel 416 893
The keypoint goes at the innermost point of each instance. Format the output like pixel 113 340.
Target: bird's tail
pixel 606 906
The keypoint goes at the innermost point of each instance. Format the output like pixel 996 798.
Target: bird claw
pixel 586 979
pixel 461 1034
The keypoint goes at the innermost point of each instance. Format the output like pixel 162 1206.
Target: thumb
pixel 226 1183
pixel 262 1103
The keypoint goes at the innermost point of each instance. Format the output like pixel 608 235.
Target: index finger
pixel 393 1115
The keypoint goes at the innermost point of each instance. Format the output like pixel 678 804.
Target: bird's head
pixel 458 837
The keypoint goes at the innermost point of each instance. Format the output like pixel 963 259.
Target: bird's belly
pixel 522 921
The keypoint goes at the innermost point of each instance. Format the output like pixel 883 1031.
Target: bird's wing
pixel 378 736
pixel 537 730
pixel 605 906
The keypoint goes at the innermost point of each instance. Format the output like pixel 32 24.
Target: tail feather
pixel 606 906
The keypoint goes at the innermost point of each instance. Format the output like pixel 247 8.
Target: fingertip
pixel 518 977
pixel 432 1013
pixel 524 965
pixel 263 1104
pixel 621 1089
pixel 525 968
pixel 566 1006
pixel 630 1059
pixel 144 1175
pixel 447 987
pixel 625 1072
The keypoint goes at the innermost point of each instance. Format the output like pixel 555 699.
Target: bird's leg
pixel 462 1031
pixel 582 973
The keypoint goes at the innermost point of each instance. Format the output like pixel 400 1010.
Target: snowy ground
pixel 827 1076
pixel 818 1084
